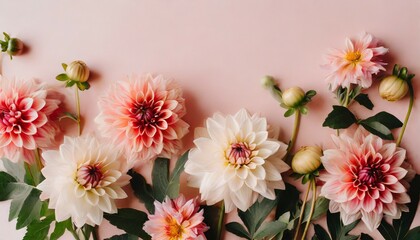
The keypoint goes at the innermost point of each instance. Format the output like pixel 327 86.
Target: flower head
pixel 143 115
pixel 355 64
pixel 82 180
pixel 236 161
pixel 27 111
pixel 364 178
pixel 176 219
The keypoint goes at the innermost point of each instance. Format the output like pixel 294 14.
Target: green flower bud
pixel 268 82
pixel 14 47
pixel 293 96
pixel 77 71
pixel 307 160
pixel 393 88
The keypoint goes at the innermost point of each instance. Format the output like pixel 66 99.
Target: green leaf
pixel 64 66
pixel 395 70
pixel 413 234
pixel 130 220
pixel 60 228
pixel 211 217
pixel 310 93
pixel 237 229
pixel 30 210
pixel 287 200
pixel 83 86
pixel 387 119
pixel 339 231
pixel 123 237
pixel 381 124
pixel 160 176
pixel 142 190
pixel 270 229
pixel 70 83
pixel 70 116
pixel 320 233
pixel 173 185
pixel 365 236
pixel 62 77
pixel 5 190
pixel 403 224
pixel 378 129
pixel 33 175
pixel 6 37
pixel 38 230
pixel 363 99
pixel 387 231
pixel 303 110
pixel 17 170
pixel 289 112
pixel 321 208
pixel 340 117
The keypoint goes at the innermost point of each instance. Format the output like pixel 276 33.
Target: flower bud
pixel 267 82
pixel 14 47
pixel 77 71
pixel 393 88
pixel 293 96
pixel 307 160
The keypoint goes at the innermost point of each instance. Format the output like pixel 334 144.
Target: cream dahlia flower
pixel 364 178
pixel 355 64
pixel 143 116
pixel 236 160
pixel 82 180
pixel 176 219
pixel 27 111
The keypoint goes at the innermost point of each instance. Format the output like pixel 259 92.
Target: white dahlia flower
pixel 236 159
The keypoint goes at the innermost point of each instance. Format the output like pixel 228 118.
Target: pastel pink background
pixel 217 50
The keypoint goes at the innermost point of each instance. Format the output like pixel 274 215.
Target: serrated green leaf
pixel 160 178
pixel 173 185
pixel 378 129
pixel 363 99
pixel 320 233
pixel 60 228
pixel 321 208
pixel 387 231
pixel 5 190
pixel 339 118
pixel 403 224
pixel 17 170
pixel 413 234
pixel 123 237
pixel 64 66
pixel 130 220
pixel 270 229
pixel 62 77
pixel 289 112
pixel 38 230
pixel 142 190
pixel 237 229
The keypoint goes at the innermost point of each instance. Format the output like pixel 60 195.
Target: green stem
pixel 311 213
pixel 407 116
pixel 74 233
pixel 95 233
pixel 294 135
pixel 346 101
pixel 220 222
pixel 79 120
pixel 302 211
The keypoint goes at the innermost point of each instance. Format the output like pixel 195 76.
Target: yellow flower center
pixel 353 57
pixel 173 230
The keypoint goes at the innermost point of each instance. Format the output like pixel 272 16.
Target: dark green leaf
pixel 320 233
pixel 83 86
pixel 321 208
pixel 310 93
pixel 211 217
pixel 130 220
pixel 60 228
pixel 33 176
pixel 340 117
pixel 173 185
pixel 287 200
pixel 378 129
pixel 123 237
pixel 413 234
pixel 270 229
pixel 62 77
pixel 403 224
pixel 387 119
pixel 365 236
pixel 237 229
pixel 17 170
pixel 142 190
pixel 160 178
pixel 64 66
pixel 38 230
pixel 289 112
pixel 303 110
pixel 387 231
pixel 6 37
pixel 30 210
pixel 395 70
pixel 337 229
pixel 363 99
pixel 5 190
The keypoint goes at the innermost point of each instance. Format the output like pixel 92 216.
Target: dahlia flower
pixel 143 116
pixel 236 160
pixel 82 180
pixel 176 220
pixel 364 178
pixel 27 110
pixel 355 64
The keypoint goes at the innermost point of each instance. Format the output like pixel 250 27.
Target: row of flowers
pixel 237 162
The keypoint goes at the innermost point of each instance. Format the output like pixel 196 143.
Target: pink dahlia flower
pixel 355 64
pixel 27 110
pixel 143 115
pixel 176 219
pixel 364 178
